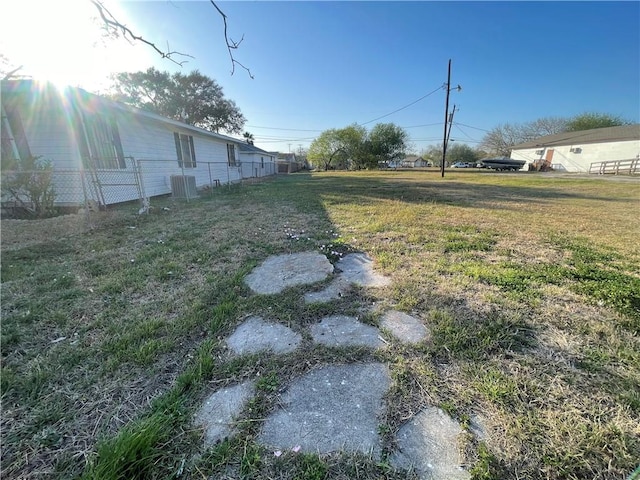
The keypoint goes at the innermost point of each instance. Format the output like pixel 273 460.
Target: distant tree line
pixel 354 147
pixel 501 139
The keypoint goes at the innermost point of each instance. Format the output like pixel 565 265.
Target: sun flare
pixel 64 43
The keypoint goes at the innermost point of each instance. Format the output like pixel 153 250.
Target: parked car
pixel 460 165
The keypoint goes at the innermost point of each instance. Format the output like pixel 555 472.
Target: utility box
pixel 183 186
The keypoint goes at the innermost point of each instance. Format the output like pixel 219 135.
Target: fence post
pixel 146 203
pixel 184 181
pixel 210 178
pixel 87 215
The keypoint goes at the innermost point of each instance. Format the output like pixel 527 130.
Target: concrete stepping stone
pixel 343 331
pixel 355 269
pixel 333 408
pixel 333 291
pixel 282 271
pixel 219 411
pixel 256 335
pixel 405 328
pixel 428 443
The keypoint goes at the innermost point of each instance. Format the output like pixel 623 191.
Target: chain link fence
pixel 258 169
pixel 139 180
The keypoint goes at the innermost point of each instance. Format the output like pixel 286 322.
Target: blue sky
pixel 320 65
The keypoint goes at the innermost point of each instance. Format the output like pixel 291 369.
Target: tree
pixel 386 143
pixel 248 137
pixel 501 139
pixel 544 126
pixel 114 27
pixel 7 69
pixel 194 98
pixel 336 146
pixel 432 153
pixel 589 121
pixel 353 147
pixel 461 152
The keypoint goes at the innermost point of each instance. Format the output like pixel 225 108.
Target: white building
pixel 256 162
pixel 108 152
pixel 577 151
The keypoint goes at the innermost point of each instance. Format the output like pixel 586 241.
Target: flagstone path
pixel 335 407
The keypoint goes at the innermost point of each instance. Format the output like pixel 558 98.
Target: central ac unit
pixel 183 186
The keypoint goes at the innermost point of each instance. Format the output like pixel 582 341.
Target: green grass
pixel 529 286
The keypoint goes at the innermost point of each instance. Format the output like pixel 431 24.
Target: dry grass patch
pixel 528 283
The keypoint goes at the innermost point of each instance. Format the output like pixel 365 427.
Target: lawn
pixel 529 284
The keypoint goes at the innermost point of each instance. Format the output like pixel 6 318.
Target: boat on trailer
pixel 502 163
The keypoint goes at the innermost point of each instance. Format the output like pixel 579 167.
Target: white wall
pixel 565 160
pixel 51 134
pixel 252 164
pixel 152 144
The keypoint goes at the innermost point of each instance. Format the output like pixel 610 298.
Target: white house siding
pixel 566 160
pixel 151 143
pixel 254 166
pixel 51 133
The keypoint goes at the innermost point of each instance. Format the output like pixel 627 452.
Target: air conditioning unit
pixel 575 150
pixel 183 186
pixel 539 152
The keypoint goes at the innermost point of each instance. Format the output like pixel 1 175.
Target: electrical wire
pixel 287 129
pixel 406 106
pixel 475 128
pixel 465 133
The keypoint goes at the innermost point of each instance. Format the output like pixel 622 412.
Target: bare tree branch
pixel 231 45
pixel 111 22
pixel 115 25
pixel 10 74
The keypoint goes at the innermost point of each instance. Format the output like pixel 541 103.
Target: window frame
pixel 101 136
pixel 185 148
pixel 231 155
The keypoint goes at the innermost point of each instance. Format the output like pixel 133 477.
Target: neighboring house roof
pixel 596 135
pixel 79 94
pixel 288 157
pixel 247 148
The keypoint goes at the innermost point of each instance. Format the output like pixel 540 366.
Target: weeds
pixel 111 338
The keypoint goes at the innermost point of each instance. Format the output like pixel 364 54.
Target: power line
pixel 425 125
pixel 475 128
pixel 287 129
pixel 406 106
pixel 463 132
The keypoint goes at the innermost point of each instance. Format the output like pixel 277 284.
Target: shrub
pixel 28 184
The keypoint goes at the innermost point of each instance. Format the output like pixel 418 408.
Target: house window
pixel 102 143
pixel 261 162
pixel 231 154
pixel 184 150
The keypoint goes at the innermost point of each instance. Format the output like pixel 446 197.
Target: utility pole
pixel 453 112
pixel 446 120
